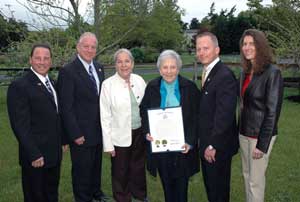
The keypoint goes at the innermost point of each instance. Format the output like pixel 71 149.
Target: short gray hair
pixel 123 50
pixel 169 54
pixel 87 34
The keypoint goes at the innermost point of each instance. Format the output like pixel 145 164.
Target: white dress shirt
pixel 115 109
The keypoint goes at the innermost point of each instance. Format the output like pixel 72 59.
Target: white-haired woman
pixel 121 95
pixel 170 90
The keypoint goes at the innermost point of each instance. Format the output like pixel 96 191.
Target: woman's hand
pixel 65 147
pixel 257 154
pixel 186 148
pixel 112 153
pixel 149 138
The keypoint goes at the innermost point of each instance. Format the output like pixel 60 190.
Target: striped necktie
pixel 49 88
pixel 91 75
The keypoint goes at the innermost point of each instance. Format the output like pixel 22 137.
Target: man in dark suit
pixel 79 84
pixel 33 113
pixel 217 123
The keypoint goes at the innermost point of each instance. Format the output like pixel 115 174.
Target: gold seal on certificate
pixel 166 128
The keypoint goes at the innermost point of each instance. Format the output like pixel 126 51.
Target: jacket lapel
pixel 211 75
pixel 36 82
pixel 99 71
pixel 84 75
pixel 251 87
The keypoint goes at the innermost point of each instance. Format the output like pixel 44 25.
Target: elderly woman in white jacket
pixel 120 98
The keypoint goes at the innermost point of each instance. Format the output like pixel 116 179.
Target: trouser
pixel 86 172
pixel 128 170
pixel 254 169
pixel 40 184
pixel 216 178
pixel 175 189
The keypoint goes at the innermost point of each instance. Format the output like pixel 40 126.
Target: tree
pixel 195 24
pixel 227 27
pixel 66 13
pixel 11 31
pixel 163 29
pixel 281 22
pixel 124 23
pixel 160 27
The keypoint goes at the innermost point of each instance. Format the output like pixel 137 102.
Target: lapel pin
pixel 208 79
pixel 39 84
pixel 99 70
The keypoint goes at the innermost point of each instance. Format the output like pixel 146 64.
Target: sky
pixel 193 8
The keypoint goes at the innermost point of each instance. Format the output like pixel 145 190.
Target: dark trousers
pixel 40 184
pixel 86 172
pixel 217 179
pixel 128 170
pixel 175 189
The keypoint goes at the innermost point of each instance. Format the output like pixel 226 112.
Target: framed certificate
pixel 166 128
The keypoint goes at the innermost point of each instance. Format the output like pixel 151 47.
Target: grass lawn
pixel 283 176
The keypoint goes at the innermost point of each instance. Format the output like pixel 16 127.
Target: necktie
pixel 93 78
pixel 49 88
pixel 203 76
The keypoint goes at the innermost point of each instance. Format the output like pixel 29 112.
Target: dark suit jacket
pixel 34 120
pixel 217 115
pixel 176 163
pixel 80 103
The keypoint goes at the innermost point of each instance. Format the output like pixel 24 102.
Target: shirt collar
pixel 85 64
pixel 41 77
pixel 211 65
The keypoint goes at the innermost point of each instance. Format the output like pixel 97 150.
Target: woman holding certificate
pixel 121 95
pixel 172 90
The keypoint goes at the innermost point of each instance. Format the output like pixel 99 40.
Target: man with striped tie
pixel 34 116
pixel 79 84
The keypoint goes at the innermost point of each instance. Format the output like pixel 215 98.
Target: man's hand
pixel 80 140
pixel 38 163
pixel 210 155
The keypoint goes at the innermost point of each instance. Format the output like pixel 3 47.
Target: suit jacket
pixel 176 163
pixel 79 102
pixel 217 114
pixel 34 121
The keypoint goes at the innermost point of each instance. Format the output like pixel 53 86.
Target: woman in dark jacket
pixel 170 90
pixel 261 92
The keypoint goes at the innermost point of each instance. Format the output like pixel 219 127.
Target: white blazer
pixel 115 109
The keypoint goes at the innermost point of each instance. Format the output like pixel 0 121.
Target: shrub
pixel 138 55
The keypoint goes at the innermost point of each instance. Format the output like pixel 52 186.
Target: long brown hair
pixel 263 55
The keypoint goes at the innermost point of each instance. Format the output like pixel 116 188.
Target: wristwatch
pixel 210 147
